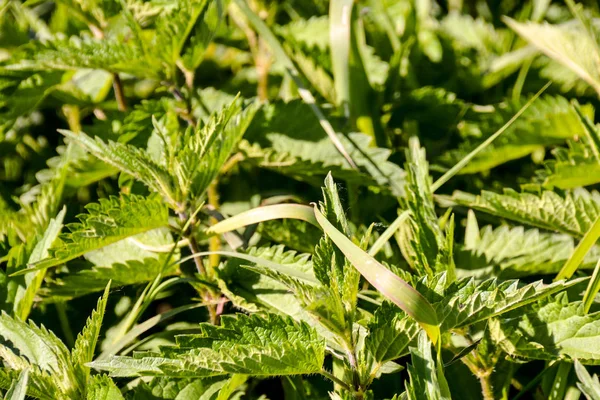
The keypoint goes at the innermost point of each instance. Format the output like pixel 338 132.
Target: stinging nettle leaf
pixel 107 222
pixel 262 346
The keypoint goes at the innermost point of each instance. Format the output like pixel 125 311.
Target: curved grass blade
pixel 462 163
pixel 592 289
pixel 584 246
pixel 267 213
pixel 384 280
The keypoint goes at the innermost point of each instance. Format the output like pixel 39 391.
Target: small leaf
pixel 589 385
pixel 18 389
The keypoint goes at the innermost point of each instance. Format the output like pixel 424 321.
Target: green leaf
pixel 572 213
pixel 107 222
pixel 426 376
pixel 567 44
pixel 390 331
pixel 466 303
pixel 329 265
pixel 423 242
pixel 101 387
pixel 513 252
pixel 85 344
pixel 262 346
pixel 254 289
pixel 18 389
pixel 547 121
pixel 589 385
pixel 129 159
pixel 27 345
pixel 550 330
pixel 285 138
pixel 384 280
pixel 34 280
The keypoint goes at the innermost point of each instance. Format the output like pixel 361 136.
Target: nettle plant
pixel 196 201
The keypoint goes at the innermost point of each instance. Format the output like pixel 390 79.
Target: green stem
pixel 336 380
pixel 61 310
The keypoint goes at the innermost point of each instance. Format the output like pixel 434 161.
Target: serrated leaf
pixel 107 222
pixel 513 252
pixel 85 344
pixel 243 344
pixel 568 44
pixel 552 329
pixel 389 334
pixel 572 213
pixel 423 242
pixel 426 376
pixel 466 303
pixel 101 387
pixel 285 138
pixel 27 345
pixel 18 389
pixel 589 385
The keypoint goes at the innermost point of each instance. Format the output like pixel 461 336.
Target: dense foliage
pixel 251 199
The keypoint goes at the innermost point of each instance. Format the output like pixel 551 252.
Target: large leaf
pixel 137 259
pixel 390 331
pixel 514 252
pixel 107 222
pixel 573 213
pixel 550 330
pixel 286 138
pixel 466 302
pixel 569 44
pixel 262 346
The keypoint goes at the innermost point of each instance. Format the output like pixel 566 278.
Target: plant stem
pixel 61 310
pixel 206 294
pixel 119 94
pixel 336 380
pixel 487 390
pixel 214 243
